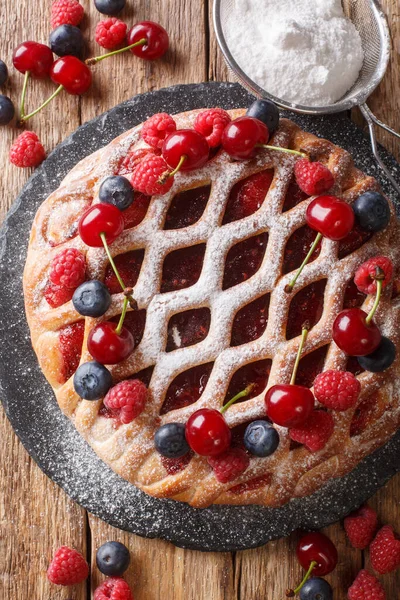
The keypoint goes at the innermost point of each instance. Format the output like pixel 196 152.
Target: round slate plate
pixel 51 439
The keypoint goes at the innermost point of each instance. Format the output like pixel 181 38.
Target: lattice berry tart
pixel 214 299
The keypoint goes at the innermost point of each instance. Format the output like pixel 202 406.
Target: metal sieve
pixel 371 23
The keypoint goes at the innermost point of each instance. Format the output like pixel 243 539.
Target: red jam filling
pixel 250 321
pixel 175 465
pixel 354 366
pixel 297 248
pixel 307 305
pixel 256 373
pixel 353 298
pixel 362 415
pixel 187 207
pixel 186 388
pixel 294 196
pixel 310 366
pixel 137 210
pixel 356 238
pixel 188 328
pixel 128 265
pixel 182 268
pixel 135 321
pixel 71 341
pixel 244 259
pixel 247 196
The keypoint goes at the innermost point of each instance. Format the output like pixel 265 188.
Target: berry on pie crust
pixel 200 272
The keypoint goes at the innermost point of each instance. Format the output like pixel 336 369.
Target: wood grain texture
pixel 35 515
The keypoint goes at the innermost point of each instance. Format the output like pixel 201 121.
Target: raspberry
pixel 27 150
pixel 68 268
pixel 146 176
pixel 66 12
pixel 385 551
pixel 110 33
pixel 337 390
pixel 127 399
pixel 360 527
pixel 157 128
pixel 113 588
pixel 366 587
pixel 129 163
pixel 314 434
pixel 68 567
pixel 211 123
pixel 56 295
pixel 313 177
pixel 229 465
pixel 364 277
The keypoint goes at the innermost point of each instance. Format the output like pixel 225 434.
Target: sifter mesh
pixel 371 24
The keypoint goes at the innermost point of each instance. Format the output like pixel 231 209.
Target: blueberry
pixel 3 72
pixel 7 110
pixel 170 440
pixel 372 211
pixel 67 40
pixel 316 589
pixel 261 439
pixel 91 299
pixel 265 111
pixel 113 558
pixel 381 358
pixel 92 381
pixel 116 190
pixel 109 7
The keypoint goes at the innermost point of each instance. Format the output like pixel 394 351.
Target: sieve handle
pixel 372 120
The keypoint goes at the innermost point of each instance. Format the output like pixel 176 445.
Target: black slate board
pixel 51 439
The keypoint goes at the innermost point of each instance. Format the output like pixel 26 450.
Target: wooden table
pixel 36 516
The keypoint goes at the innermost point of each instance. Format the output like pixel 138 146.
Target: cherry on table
pixel 187 144
pixel 33 57
pixel 207 432
pixel 353 334
pixel 241 137
pixel 72 74
pixel 100 218
pixel 109 347
pixel 331 217
pixel 317 547
pixel 157 40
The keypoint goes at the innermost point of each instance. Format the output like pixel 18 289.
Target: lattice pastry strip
pixel 129 450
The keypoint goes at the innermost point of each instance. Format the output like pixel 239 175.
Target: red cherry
pixel 108 347
pixel 207 432
pixel 289 405
pixel 241 136
pixel 319 548
pixel 353 334
pixel 331 217
pixel 188 143
pixel 100 218
pixel 72 74
pixel 156 37
pixel 33 57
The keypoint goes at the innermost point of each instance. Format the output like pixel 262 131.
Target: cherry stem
pixel 128 297
pixel 23 95
pixel 291 285
pixel 169 174
pixel 306 576
pixel 304 335
pixel 96 59
pixel 241 394
pixel 122 317
pixel 25 118
pixel 279 149
pixel 379 287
